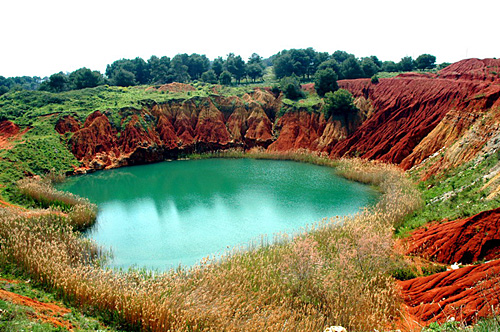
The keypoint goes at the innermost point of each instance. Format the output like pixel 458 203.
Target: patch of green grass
pixel 14 317
pixel 483 325
pixel 17 318
pixel 457 193
pixel 312 103
pixel 386 74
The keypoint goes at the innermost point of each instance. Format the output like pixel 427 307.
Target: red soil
pixel 473 69
pixel 175 87
pixel 465 240
pixel 67 124
pixel 163 130
pixel 46 312
pixel 465 294
pixel 7 131
pixel 407 111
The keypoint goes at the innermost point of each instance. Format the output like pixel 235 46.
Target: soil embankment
pixel 467 293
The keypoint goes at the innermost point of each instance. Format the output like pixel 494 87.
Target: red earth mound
pixel 408 109
pixel 465 294
pixel 465 240
pixel 7 130
pixel 473 69
pixel 175 87
pixel 67 124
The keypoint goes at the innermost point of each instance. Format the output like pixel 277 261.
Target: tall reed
pixel 335 273
pixel 81 212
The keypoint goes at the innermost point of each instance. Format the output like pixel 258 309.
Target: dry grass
pixel 335 273
pixel 81 212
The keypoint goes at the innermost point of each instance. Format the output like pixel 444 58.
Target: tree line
pixel 301 63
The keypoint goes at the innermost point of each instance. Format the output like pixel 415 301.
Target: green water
pixel 162 215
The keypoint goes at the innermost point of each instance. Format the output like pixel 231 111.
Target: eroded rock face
pixel 465 240
pixel 157 132
pixel 8 128
pixel 67 124
pixel 465 294
pixel 403 120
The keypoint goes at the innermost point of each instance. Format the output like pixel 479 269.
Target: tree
pixel 209 77
pixel 351 68
pixel 225 78
pixel 85 78
pixel 425 61
pixel 325 80
pixel 376 61
pixel 179 68
pixel 369 67
pixel 141 71
pixel 406 64
pixel 218 66
pixel 295 61
pixel 197 64
pixel 159 70
pixel 389 66
pixel 123 77
pixel 443 65
pixel 290 86
pixel 317 58
pixel 236 66
pixel 283 65
pixel 331 63
pixel 255 71
pixel 3 89
pixel 254 59
pixel 121 69
pixel 340 103
pixel 341 56
pixel 57 82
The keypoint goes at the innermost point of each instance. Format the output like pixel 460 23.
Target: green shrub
pixel 290 86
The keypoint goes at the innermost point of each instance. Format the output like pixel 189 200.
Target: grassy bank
pixel 336 273
pixel 458 192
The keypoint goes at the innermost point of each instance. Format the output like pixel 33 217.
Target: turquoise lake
pixel 161 215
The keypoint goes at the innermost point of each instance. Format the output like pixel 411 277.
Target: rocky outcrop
pixel 465 240
pixel 465 294
pixel 473 69
pixel 298 130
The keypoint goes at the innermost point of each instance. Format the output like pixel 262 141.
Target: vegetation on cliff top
pixel 185 68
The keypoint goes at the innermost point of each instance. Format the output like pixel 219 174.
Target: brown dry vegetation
pixel 80 211
pixel 335 273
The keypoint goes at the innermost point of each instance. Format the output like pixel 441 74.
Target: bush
pixel 291 87
pixel 325 81
pixel 374 79
pixel 339 102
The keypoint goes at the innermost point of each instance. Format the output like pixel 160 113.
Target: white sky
pixel 40 38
